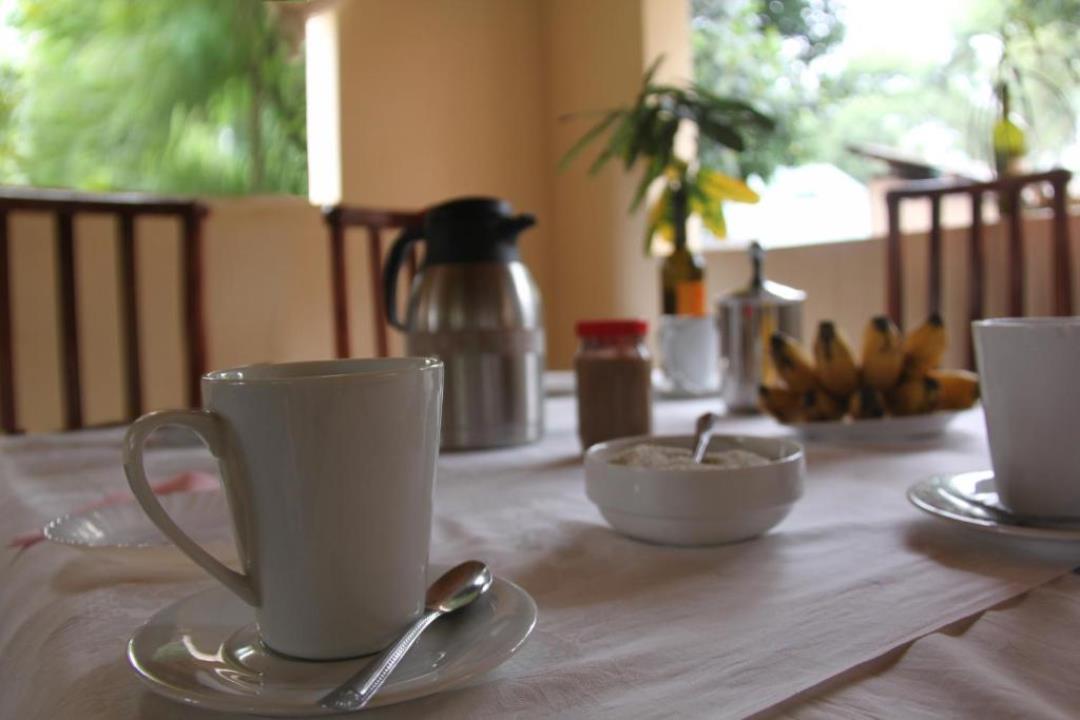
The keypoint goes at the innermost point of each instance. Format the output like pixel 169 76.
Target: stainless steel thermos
pixel 475 305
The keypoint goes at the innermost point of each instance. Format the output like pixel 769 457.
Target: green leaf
pixel 654 170
pixel 616 143
pixel 721 134
pixel 646 79
pixel 590 135
pixel 642 136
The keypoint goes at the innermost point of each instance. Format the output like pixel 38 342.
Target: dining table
pixel 856 605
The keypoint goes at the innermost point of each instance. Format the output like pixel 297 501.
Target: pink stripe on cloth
pixel 184 482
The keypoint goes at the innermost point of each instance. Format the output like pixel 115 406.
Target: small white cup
pixel 690 352
pixel 1029 375
pixel 329 470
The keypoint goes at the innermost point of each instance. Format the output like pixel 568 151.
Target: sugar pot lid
pixel 761 291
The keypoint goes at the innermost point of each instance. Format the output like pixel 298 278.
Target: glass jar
pixel 614 380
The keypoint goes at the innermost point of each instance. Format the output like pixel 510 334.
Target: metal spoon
pixel 457 587
pixel 706 426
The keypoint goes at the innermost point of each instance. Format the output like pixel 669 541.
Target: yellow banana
pixel 957 389
pixel 834 360
pixel 914 397
pixel 783 404
pixel 882 354
pixel 792 363
pixel 867 403
pixel 925 346
pixel 819 405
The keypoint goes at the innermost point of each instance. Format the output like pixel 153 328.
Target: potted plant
pixel 646 132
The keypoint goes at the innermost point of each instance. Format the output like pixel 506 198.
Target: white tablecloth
pixel 854 606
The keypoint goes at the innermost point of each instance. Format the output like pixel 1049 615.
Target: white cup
pixel 329 470
pixel 1030 388
pixel 690 352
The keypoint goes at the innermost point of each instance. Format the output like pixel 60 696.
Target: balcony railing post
pixel 7 348
pixel 128 293
pixel 67 309
pixel 194 328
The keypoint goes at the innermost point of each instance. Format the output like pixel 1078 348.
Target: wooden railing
pixel 340 218
pixel 1008 191
pixel 126 208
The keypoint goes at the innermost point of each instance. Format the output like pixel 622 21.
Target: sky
pixel 10 43
pixel 901 27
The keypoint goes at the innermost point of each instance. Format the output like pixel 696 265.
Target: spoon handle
pixel 357 691
pixel 706 426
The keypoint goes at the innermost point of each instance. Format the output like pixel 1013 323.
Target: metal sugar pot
pixel 747 319
pixel 475 305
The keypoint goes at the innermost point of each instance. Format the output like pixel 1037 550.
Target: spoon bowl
pixel 456 588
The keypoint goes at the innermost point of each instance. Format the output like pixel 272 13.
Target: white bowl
pixel 703 506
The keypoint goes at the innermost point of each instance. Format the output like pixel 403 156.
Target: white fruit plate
pixel 877 430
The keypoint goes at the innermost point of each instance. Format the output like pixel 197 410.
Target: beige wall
pixel 437 100
pixel 440 99
pixel 845 281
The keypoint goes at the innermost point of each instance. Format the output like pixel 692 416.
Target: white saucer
pixel 877 430
pixel 970 500
pixel 124 526
pixel 204 651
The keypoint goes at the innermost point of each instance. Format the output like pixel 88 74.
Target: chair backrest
pixel 340 218
pixel 64 206
pixel 1008 191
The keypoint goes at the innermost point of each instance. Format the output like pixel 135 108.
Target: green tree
pixel 1028 48
pixel 192 96
pixel 777 52
pixel 764 50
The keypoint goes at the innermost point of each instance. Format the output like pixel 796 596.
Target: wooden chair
pixel 64 206
pixel 340 218
pixel 1008 191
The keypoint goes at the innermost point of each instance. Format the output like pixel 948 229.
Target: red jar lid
pixel 611 328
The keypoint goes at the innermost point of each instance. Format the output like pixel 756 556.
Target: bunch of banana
pixel 924 348
pixel 835 362
pixel 783 404
pixel 819 406
pixel 897 375
pixel 867 403
pixel 882 354
pixel 957 389
pixel 914 397
pixel 792 363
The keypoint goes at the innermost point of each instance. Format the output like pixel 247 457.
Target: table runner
pixel 626 629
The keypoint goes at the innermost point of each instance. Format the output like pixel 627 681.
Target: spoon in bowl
pixel 458 587
pixel 703 432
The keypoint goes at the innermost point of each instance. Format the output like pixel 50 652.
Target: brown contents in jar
pixel 614 397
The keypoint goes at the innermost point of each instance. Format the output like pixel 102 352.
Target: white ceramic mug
pixel 329 469
pixel 1029 377
pixel 690 352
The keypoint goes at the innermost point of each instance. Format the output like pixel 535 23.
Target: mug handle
pixel 209 427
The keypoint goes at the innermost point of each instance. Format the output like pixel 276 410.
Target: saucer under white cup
pixel 204 651
pixel 1030 388
pixel 971 500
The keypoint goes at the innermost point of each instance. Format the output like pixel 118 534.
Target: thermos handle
pixel 398 252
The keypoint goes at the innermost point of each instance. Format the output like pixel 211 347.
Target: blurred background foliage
pixel 175 96
pixel 791 58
